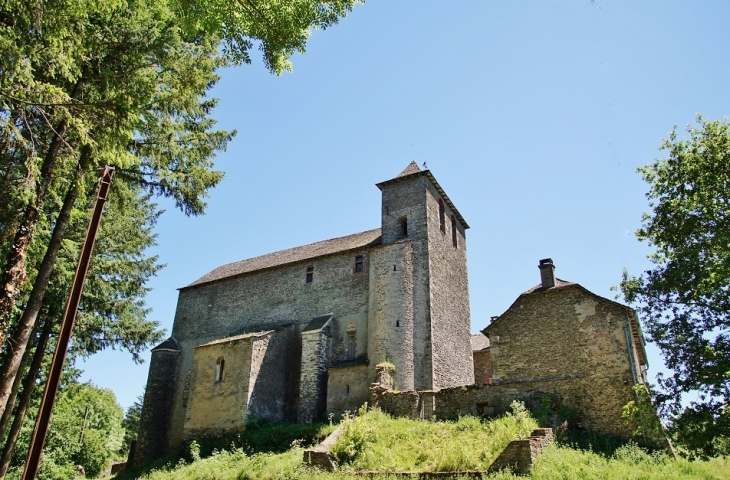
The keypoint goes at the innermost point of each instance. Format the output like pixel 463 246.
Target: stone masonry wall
pixel 153 439
pixel 391 320
pixel 572 333
pixel 313 381
pixel 482 367
pixel 228 307
pixel 216 407
pixel 272 396
pixel 449 298
pixel 347 389
pixel 399 311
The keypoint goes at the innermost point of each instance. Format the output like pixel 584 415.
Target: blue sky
pixel 532 115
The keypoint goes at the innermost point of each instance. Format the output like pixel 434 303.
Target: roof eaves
pixel 223 277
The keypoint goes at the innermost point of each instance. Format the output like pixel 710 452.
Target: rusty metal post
pixel 69 315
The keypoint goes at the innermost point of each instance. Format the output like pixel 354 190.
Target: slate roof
pixel 318 322
pixel 292 255
pixel 243 336
pixel 479 342
pixel 170 344
pixel 410 169
pixel 558 284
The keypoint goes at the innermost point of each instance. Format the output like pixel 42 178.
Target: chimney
pixel 547 272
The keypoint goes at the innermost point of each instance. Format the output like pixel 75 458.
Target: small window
pixel 219 365
pixel 397 323
pixel 453 231
pixel 310 275
pixel 442 216
pixel 403 226
pixel 358 264
pixel 347 389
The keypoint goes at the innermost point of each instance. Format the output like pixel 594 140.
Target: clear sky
pixel 532 115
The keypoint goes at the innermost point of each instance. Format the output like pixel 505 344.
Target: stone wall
pixel 391 322
pixel 482 367
pixel 347 389
pixel 218 406
pixel 313 380
pixel 274 396
pixel 568 332
pixel 153 439
pixel 282 300
pixel 520 455
pixel 448 296
pixel 567 393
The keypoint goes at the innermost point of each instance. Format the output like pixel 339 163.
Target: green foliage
pixel 130 423
pixel 375 441
pixel 65 448
pixel 641 415
pixel 281 27
pixel 684 298
pixel 415 438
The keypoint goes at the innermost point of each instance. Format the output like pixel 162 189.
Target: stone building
pixel 586 349
pixel 382 315
pixel 297 333
pixel 557 342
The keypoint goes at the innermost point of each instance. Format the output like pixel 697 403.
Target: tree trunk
pixel 14 274
pixel 5 419
pixel 29 384
pixel 19 341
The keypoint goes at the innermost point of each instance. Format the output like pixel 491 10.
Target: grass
pixel 374 441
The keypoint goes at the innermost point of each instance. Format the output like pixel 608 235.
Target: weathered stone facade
pixel 304 328
pixel 557 342
pixel 382 315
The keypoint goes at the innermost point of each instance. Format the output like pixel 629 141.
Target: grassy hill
pixel 374 441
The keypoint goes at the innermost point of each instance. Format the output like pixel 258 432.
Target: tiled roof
pixel 292 255
pixel 479 342
pixel 243 336
pixel 558 284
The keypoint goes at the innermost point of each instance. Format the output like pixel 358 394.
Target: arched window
pixel 403 226
pixel 453 231
pixel 219 365
pixel 442 216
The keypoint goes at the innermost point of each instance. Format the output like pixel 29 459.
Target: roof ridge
pixel 410 169
pixel 290 255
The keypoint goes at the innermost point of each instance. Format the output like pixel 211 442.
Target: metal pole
pixel 69 315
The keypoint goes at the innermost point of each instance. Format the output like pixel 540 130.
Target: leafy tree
pixel 684 298
pixel 83 83
pixel 75 437
pixel 131 422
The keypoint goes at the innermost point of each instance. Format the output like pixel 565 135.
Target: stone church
pixel 306 332
pixel 296 334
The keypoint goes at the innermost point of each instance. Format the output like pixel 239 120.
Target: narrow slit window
pixel 454 232
pixel 397 323
pixel 442 216
pixel 310 275
pixel 219 365
pixel 347 389
pixel 358 264
pixel 403 226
